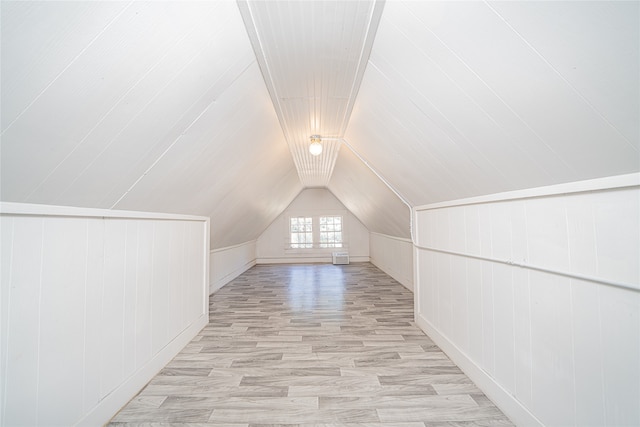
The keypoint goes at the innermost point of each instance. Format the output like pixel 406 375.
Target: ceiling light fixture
pixel 316 147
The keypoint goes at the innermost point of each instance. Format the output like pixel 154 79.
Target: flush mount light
pixel 315 148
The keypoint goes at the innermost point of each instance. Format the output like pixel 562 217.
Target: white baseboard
pixel 404 281
pixel 507 403
pixel 308 260
pixel 114 401
pixel 230 276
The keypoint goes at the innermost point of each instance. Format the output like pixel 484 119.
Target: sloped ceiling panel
pixel 232 164
pixel 369 198
pixel 468 98
pixel 312 55
pixel 154 106
pixel 37 47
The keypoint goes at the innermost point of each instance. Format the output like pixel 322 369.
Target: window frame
pixel 305 239
pixel 315 227
pixel 330 243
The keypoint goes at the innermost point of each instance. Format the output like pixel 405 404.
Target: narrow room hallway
pixel 301 345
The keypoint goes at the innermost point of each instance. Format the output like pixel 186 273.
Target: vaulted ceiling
pixel 312 56
pixel 206 107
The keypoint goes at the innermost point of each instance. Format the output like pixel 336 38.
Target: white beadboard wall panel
pixel 488 318
pixel 93 317
pixel 272 245
pixel 21 336
pixel 130 291
pixel 484 100
pixel 547 233
pixel 394 256
pixel 96 303
pixel 112 307
pixel 535 301
pixel 522 344
pixel 176 278
pixel 195 263
pixel 551 349
pixel 459 310
pixel 589 352
pixel 368 197
pixel 616 254
pixel 144 290
pixel 473 272
pixel 620 336
pixel 228 263
pixel 6 229
pixel 61 311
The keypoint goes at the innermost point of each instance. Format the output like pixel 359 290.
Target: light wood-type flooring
pixel 311 345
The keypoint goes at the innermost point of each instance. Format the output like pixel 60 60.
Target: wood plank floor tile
pixel 311 346
pixel 355 391
pixel 441 413
pixel 182 424
pixel 272 371
pixel 306 416
pixel 396 402
pixel 284 404
pixel 389 371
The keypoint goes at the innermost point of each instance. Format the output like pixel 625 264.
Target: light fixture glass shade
pixel 315 148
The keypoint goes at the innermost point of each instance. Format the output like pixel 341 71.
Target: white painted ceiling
pixel 312 55
pixel 206 107
pixel 468 98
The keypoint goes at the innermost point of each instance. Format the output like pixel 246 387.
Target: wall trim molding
pixel 10 208
pixel 227 248
pixel 114 401
pixel 400 239
pixel 571 275
pixel 507 403
pixel 598 184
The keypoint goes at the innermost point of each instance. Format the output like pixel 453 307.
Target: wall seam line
pixel 594 279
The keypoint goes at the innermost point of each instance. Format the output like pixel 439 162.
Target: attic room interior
pixel 477 162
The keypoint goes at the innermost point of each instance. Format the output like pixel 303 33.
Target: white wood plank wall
pixel 230 262
pixel 394 256
pixel 536 295
pixel 93 304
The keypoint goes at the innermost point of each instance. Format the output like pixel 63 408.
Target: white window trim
pixel 290 242
pixel 328 233
pixel 316 231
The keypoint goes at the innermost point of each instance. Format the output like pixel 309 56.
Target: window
pixel 301 232
pixel 330 231
pixel 316 232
